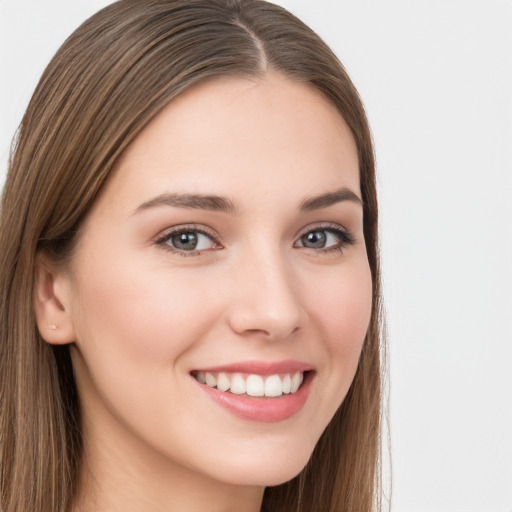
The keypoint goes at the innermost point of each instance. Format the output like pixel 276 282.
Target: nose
pixel 267 300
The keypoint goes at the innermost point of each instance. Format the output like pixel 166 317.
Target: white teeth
pixel 223 383
pixel 273 386
pixel 210 380
pixel 297 381
pixel 254 385
pixel 238 386
pixel 287 384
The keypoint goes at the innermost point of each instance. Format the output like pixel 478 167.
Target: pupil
pixel 315 239
pixel 186 241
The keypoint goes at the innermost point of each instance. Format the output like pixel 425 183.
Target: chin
pixel 270 475
pixel 266 468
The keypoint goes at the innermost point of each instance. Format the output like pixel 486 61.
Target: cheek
pixel 343 307
pixel 147 315
pixel 133 336
pixel 342 313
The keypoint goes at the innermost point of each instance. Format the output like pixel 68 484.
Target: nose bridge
pixel 268 299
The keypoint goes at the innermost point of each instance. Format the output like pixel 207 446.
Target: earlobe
pixel 51 303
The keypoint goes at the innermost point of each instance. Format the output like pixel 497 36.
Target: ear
pixel 52 303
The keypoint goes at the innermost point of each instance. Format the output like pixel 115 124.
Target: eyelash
pixel 345 238
pixel 188 228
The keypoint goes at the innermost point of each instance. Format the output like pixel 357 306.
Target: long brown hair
pixel 104 85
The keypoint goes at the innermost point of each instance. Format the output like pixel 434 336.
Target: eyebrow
pixel 193 201
pixel 223 204
pixel 329 199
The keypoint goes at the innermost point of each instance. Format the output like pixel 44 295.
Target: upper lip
pixel 260 367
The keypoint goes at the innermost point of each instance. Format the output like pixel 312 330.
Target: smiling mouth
pixel 253 385
pixel 258 391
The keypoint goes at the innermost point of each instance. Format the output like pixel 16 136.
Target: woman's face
pixel 227 247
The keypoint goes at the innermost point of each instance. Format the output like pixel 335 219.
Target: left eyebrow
pixel 330 198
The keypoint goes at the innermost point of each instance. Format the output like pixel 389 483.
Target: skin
pixel 141 316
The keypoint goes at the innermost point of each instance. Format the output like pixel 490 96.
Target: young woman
pixel 189 268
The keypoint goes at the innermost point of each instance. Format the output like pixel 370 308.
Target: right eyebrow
pixel 191 201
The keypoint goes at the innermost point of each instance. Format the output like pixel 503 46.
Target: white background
pixel 436 78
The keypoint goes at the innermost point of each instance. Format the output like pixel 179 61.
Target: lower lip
pixel 260 408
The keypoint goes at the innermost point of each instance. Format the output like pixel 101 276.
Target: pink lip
pixel 260 367
pixel 262 409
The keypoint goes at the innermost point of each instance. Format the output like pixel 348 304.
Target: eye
pixel 187 241
pixel 325 239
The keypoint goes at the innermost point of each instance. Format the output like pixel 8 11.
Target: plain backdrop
pixel 436 79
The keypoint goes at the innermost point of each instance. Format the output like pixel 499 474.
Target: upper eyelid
pixel 321 225
pixel 205 230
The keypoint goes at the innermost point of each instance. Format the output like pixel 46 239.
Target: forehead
pixel 231 136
